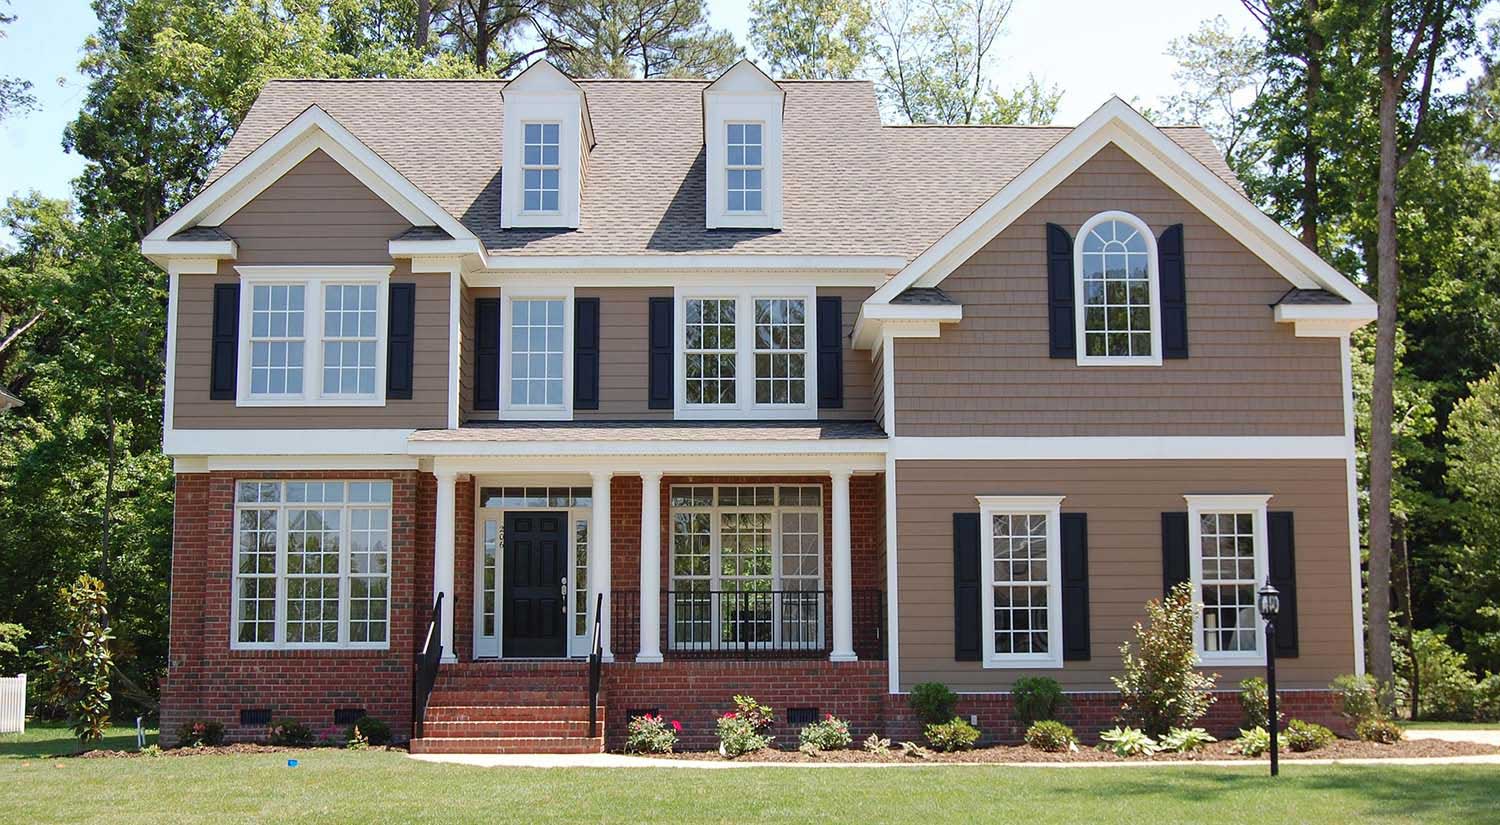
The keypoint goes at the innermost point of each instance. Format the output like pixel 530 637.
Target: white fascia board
pixel 1323 321
pixel 604 449
pixel 882 265
pixel 1117 448
pixel 446 249
pixel 313 129
pixel 219 463
pixel 667 465
pixel 1116 122
pixel 160 251
pixel 904 321
pixel 182 443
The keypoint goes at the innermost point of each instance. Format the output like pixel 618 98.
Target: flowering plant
pixel 741 730
pixel 829 734
pixel 650 733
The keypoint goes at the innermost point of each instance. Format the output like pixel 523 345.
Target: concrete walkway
pixel 614 760
pixel 1479 735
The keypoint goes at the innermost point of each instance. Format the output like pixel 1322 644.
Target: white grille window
pixel 1116 291
pixel 312 335
pixel 277 339
pixel 537 352
pixel 1021 567
pixel 746 353
pixel 313 563
pixel 350 336
pixel 710 351
pixel 1227 557
pixel 780 351
pixel 744 167
pixel 541 167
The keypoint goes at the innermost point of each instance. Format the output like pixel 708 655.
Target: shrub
pixel 79 660
pixel 1255 702
pixel 292 733
pixel 1487 699
pixel 877 745
pixel 741 730
pixel 933 702
pixel 830 734
pixel 952 735
pixel 1307 736
pixel 1051 736
pixel 1037 698
pixel 357 741
pixel 1445 687
pixel 1252 742
pixel 374 731
pixel 1186 740
pixel 753 712
pixel 649 733
pixel 1161 687
pixel 1127 742
pixel 198 733
pixel 1383 731
pixel 1359 698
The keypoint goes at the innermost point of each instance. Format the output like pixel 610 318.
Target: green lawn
pixel 363 787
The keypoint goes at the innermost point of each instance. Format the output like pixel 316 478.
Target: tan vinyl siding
pixel 624 347
pixel 1124 501
pixel 990 375
pixel 316 214
pixel 858 371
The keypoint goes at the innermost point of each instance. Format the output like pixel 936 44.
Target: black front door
pixel 536 585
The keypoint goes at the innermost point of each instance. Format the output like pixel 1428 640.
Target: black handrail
pixel 596 656
pixel 425 675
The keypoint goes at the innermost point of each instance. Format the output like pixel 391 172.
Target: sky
pixel 1088 48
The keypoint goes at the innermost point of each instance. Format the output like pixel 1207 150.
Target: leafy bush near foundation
pixel 374 731
pixel 1186 740
pixel 933 702
pixel 649 733
pixel 953 735
pixel 1307 736
pixel 1037 698
pixel 1383 731
pixel 290 732
pixel 1051 736
pixel 1128 742
pixel 829 734
pixel 1161 687
pixel 1359 698
pixel 198 733
pixel 1252 742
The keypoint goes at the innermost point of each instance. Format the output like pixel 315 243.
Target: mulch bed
pixel 207 750
pixel 1342 749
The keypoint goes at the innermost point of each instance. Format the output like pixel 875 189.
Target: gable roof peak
pixel 542 77
pixel 744 77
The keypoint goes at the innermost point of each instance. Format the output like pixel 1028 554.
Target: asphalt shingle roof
pixel 852 186
pixel 1312 297
pixel 696 431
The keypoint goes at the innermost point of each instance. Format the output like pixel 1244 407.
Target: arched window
pixel 1117 301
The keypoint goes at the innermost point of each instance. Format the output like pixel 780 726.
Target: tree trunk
pixel 1378 650
pixel 1413 679
pixel 424 24
pixel 1310 149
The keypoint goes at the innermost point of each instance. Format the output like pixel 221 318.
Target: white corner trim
pixel 1351 473
pixel 1116 122
pixel 455 344
pixel 313 129
pixel 893 581
pixel 1113 448
pixel 268 442
pixel 888 385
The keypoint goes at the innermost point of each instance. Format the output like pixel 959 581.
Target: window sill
pixel 1023 662
pixel 799 413
pixel 536 414
pixel 1119 361
pixel 295 401
pixel 1232 659
pixel 321 649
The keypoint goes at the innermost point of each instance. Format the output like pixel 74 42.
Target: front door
pixel 534 580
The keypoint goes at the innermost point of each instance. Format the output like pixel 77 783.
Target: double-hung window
pixel 1227 559
pixel 747 568
pixel 541 167
pixel 744 167
pixel 1118 300
pixel 745 353
pixel 312 564
pixel 312 335
pixel 537 362
pixel 1021 578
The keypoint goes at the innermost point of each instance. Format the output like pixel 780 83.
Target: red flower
pixel 676 726
pixel 731 715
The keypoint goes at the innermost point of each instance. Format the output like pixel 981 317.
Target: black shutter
pixel 1174 550
pixel 830 352
pixel 1283 574
pixel 966 587
pixel 659 396
pixel 585 353
pixel 226 342
pixel 1060 320
pixel 1171 268
pixel 486 353
pixel 1075 587
pixel 401 320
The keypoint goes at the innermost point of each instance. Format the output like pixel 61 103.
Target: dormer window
pixel 541 167
pixel 742 141
pixel 744 162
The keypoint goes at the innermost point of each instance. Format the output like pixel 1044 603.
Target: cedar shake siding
pixel 990 374
pixel 1124 501
pixel 315 214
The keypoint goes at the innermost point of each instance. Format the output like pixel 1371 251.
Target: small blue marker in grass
pixel 291 763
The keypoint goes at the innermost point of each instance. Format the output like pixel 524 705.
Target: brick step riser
pixel 571 686
pixel 524 729
pixel 442 698
pixel 510 713
pixel 571 745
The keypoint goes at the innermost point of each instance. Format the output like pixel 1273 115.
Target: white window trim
pixel 561 162
pixel 280 577
pixel 744 363
pixel 1051 507
pixel 536 412
pixel 1255 505
pixel 313 278
pixel 566 110
pixel 760 167
pixel 1084 360
pixel 720 109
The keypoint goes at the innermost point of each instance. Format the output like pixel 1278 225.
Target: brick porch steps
pixel 510 707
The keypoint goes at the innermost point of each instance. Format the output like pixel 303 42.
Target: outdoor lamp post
pixel 1269 602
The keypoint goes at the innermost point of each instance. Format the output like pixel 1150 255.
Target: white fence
pixel 13 704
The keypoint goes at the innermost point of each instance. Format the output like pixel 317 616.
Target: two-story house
pixel 815 408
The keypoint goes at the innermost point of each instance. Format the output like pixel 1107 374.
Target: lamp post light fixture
pixel 1269 602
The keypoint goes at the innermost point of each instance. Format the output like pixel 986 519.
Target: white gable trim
pixel 1116 122
pixel 312 130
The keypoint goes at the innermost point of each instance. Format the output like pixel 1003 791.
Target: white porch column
pixel 650 568
pixel 445 533
pixel 843 601
pixel 599 569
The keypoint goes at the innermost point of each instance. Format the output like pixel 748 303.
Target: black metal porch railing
pixel 596 655
pixel 426 668
pixel 749 623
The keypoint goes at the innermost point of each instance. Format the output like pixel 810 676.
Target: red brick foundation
pixel 208 681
